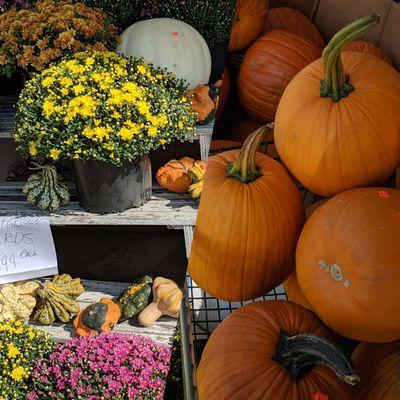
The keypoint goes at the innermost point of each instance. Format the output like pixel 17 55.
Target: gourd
pixel 224 90
pixel 331 135
pixel 247 23
pixel 378 366
pixel 17 301
pixel 291 285
pixel 97 318
pixel 45 189
pixel 204 103
pixel 166 301
pixel 368 48
pixel 256 214
pixel 347 263
pixel 172 44
pixel 273 350
pixel 57 299
pixel 135 298
pixel 268 66
pixel 197 173
pixel 174 175
pixel 290 20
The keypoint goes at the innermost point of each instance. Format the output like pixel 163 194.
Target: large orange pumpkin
pixel 378 366
pixel 365 47
pixel 347 263
pixel 249 220
pixel 223 94
pixel 291 20
pixel 267 68
pixel 291 286
pixel 344 132
pixel 247 23
pixel 273 350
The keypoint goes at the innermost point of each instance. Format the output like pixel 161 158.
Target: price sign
pixel 26 248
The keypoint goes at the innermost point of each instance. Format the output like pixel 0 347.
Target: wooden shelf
pixel 164 208
pixel 162 331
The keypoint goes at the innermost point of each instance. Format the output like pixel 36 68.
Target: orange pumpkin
pixel 203 99
pixel 174 175
pixel 347 263
pixel 365 47
pixel 273 350
pixel 224 89
pixel 248 223
pixel 379 368
pixel 292 288
pixel 398 178
pixel 247 23
pixel 291 20
pixel 267 68
pixel 345 132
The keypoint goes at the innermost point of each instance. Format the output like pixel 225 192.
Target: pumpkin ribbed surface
pixel 237 361
pixel 291 20
pixel 347 263
pixel 247 23
pixel 379 369
pixel 268 67
pixel 362 46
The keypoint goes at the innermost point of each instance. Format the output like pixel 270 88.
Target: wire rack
pixel 206 311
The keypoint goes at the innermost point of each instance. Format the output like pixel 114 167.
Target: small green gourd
pixel 45 189
pixel 135 298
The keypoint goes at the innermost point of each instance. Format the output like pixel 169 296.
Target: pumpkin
pixel 166 301
pixel 290 20
pixel 365 47
pixel 291 286
pixel 267 68
pixel 398 178
pixel 174 175
pixel 273 350
pixel 57 299
pixel 378 366
pixel 347 263
pixel 247 226
pixel 224 89
pixel 204 103
pixel 135 298
pixel 45 189
pixel 247 23
pixel 17 301
pixel 218 144
pixel 172 44
pixel 331 135
pixel 97 318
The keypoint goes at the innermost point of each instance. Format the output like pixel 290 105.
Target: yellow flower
pixel 68 142
pixel 55 154
pixel 126 133
pixel 159 76
pixel 47 81
pixel 28 101
pixel 116 115
pixel 111 155
pixel 48 107
pixel 81 105
pixel 78 89
pixel 89 61
pixel 32 148
pixel 65 81
pixel 88 132
pixel 143 108
pixel 12 351
pixel 163 141
pixel 152 131
pixel 180 124
pixel 141 69
pixel 64 91
pixel 18 373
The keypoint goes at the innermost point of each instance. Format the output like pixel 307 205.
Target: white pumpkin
pixel 172 44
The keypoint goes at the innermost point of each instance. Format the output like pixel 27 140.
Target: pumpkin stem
pixel 299 354
pixel 244 168
pixel 336 83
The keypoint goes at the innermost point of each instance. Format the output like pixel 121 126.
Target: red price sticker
pixel 383 194
pixel 175 33
pixel 320 396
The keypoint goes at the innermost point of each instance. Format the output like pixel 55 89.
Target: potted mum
pixel 106 113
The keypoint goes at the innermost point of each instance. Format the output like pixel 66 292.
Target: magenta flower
pixel 110 366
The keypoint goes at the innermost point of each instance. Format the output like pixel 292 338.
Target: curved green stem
pixel 244 168
pixel 300 353
pixel 336 83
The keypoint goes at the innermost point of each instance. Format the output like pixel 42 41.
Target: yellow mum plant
pixel 101 106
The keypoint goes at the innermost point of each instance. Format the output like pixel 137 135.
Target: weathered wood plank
pixel 162 331
pixel 164 208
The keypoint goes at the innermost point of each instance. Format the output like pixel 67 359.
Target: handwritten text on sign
pixel 26 248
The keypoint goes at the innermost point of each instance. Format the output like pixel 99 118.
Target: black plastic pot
pixel 105 188
pixel 218 59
